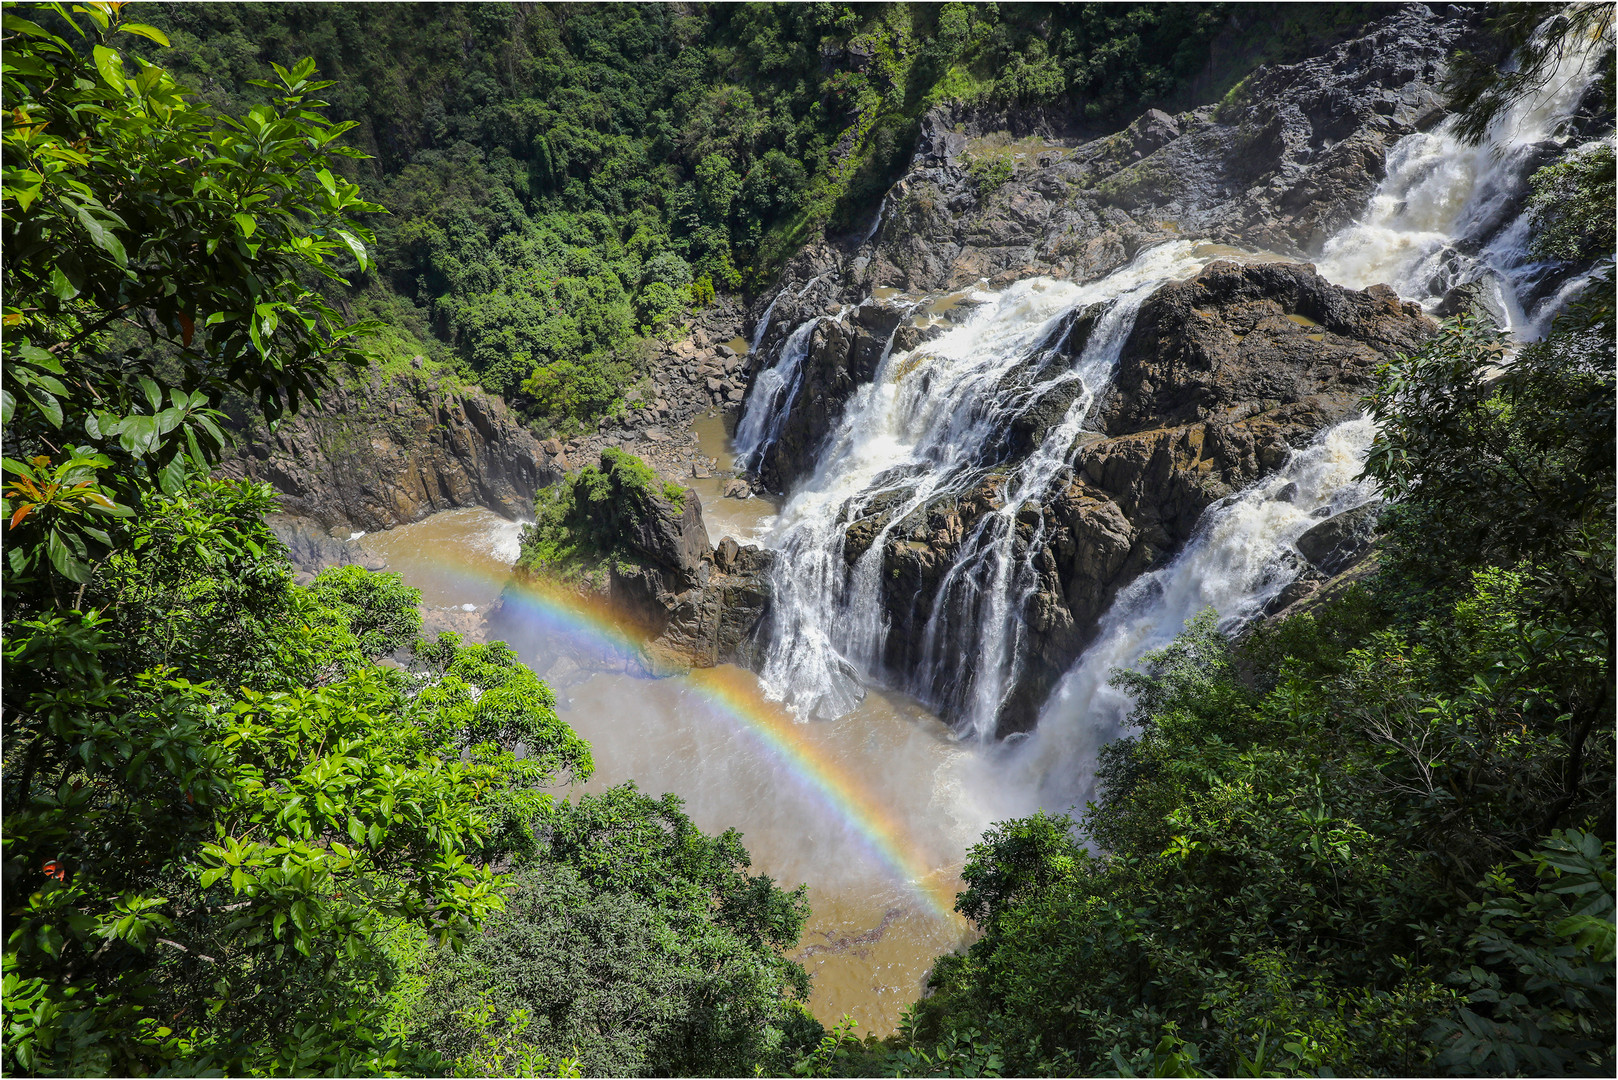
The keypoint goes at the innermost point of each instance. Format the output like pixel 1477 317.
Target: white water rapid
pixel 1448 214
pixel 927 426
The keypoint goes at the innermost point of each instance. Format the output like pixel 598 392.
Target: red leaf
pixel 22 512
pixel 188 327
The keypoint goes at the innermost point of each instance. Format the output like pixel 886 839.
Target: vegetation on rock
pixel 590 520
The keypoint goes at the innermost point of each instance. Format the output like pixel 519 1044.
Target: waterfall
pixel 1448 214
pixel 1440 199
pixel 876 222
pixel 769 399
pixel 764 323
pixel 931 426
pixel 926 427
pixel 1236 562
pixel 988 583
pixel 775 388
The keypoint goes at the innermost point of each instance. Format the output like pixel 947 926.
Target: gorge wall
pixel 386 452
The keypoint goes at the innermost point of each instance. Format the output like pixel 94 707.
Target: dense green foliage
pixel 205 252
pixel 1574 208
pixel 1374 838
pixel 563 179
pixel 638 945
pixel 233 841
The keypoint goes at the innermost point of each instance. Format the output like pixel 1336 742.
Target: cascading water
pixel 928 426
pixel 989 582
pixel 1236 562
pixel 1440 199
pixel 770 398
pixel 925 428
pixel 1449 214
pixel 876 223
pixel 769 401
pixel 764 323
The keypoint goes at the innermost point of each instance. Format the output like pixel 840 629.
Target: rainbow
pixel 738 699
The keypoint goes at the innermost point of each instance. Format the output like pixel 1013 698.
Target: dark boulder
pixel 1340 541
pixel 1236 335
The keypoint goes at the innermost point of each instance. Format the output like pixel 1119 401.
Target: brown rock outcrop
pixel 392 452
pixel 683 602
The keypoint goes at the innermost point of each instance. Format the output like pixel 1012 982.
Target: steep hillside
pixel 562 180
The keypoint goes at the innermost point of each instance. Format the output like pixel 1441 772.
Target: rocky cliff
pixel 393 451
pixel 1286 160
pixel 1223 376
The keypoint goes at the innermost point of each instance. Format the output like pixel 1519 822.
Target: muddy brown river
pixel 872 811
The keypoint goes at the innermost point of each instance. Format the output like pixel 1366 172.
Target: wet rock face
pixel 695 605
pixel 393 453
pixel 1223 376
pixel 843 354
pixel 312 549
pixel 1235 335
pixel 1337 553
pixel 713 622
pixel 1341 541
pixel 672 537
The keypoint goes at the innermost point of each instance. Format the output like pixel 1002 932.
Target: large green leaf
pixel 64 561
pixel 151 33
pixel 110 66
pixel 46 403
pixel 101 235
